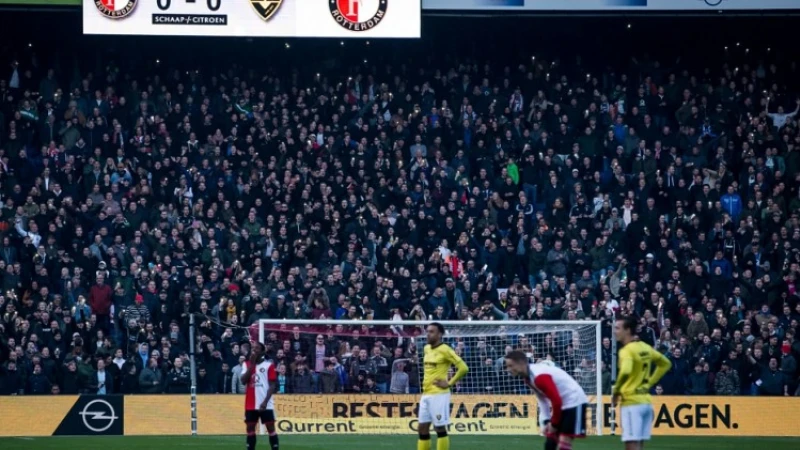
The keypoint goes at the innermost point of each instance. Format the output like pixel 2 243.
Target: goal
pixel 487 399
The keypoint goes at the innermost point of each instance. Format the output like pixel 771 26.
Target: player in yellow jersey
pixel 434 406
pixel 640 368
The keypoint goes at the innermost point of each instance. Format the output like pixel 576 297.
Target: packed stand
pixel 131 203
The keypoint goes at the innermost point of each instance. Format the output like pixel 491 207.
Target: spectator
pixel 362 364
pixel 788 365
pixel 150 378
pixel 727 380
pixel 204 384
pixel 301 382
pixel 237 387
pixel 698 381
pixel 70 382
pixel 38 384
pixel 382 374
pixel 329 380
pixel 225 380
pixel 772 381
pixel 100 301
pixel 178 378
pixel 370 386
pixel 130 380
pixel 12 382
pixel 399 382
pixel 676 380
pixel 101 382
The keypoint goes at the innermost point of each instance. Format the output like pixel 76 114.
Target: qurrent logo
pixel 98 415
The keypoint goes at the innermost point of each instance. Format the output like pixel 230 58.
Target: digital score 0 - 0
pixel 255 18
pixel 198 19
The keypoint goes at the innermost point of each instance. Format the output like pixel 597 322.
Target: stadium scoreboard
pixel 255 18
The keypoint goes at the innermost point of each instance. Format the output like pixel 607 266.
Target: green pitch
pixel 338 442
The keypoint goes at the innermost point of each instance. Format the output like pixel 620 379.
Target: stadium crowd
pixel 131 201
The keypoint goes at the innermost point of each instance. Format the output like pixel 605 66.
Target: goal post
pixel 575 346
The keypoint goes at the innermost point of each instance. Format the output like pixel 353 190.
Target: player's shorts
pixel 573 422
pixel 435 409
pixel 254 416
pixel 637 422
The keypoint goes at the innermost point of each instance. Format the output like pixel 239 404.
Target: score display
pixel 255 18
pixel 196 19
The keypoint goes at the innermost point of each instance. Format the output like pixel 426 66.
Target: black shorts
pixel 573 422
pixel 254 416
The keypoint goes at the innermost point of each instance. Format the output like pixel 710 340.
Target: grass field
pixel 338 442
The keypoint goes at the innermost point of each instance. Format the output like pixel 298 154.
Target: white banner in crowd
pixel 255 18
pixel 601 5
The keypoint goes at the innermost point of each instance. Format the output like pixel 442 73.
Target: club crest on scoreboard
pixel 266 8
pixel 116 9
pixel 358 15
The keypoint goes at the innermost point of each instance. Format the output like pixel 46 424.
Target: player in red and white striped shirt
pixel 562 402
pixel 260 377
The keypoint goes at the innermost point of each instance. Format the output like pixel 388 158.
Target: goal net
pixel 379 365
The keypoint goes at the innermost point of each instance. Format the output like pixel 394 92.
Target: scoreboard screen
pixel 255 18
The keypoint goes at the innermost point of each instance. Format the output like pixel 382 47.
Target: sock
pixel 251 442
pixel 565 446
pixel 273 441
pixel 424 442
pixel 550 444
pixel 442 441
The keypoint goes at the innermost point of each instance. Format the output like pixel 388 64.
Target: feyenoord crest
pixel 115 9
pixel 265 8
pixel 358 15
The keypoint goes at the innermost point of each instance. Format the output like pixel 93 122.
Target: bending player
pixel 434 406
pixel 637 376
pixel 562 402
pixel 260 377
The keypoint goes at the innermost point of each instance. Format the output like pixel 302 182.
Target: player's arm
pixel 625 371
pixel 272 383
pixel 662 363
pixel 547 386
pixel 246 374
pixel 545 413
pixel 460 365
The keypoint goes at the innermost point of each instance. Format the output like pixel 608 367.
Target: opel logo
pixel 98 415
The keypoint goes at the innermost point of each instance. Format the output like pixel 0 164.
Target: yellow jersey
pixel 437 361
pixel 640 368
